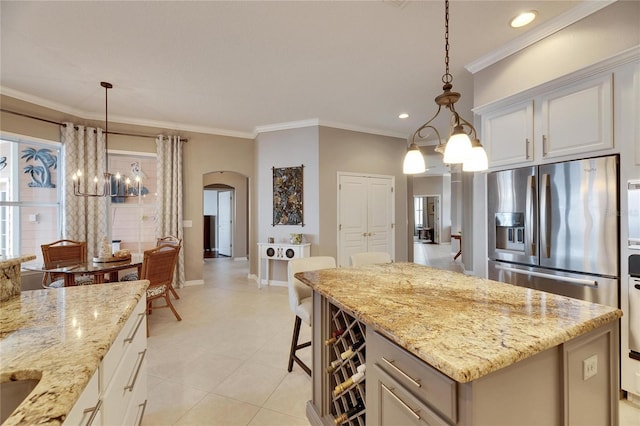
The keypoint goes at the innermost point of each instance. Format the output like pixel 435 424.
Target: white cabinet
pixel 117 392
pixel 578 118
pixel 507 134
pixel 569 120
pixel 271 251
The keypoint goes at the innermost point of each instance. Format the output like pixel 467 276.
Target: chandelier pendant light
pixel 459 147
pixel 104 188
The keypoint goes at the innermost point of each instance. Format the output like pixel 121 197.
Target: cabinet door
pixel 507 134
pixel 391 404
pixel 578 119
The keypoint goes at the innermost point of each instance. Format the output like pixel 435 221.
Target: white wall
pixel 287 148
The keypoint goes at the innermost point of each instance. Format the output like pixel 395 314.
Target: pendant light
pixel 459 148
pixel 104 188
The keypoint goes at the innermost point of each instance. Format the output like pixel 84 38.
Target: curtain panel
pixel 169 184
pixel 84 218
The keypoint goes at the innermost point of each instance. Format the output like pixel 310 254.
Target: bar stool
pixel 300 301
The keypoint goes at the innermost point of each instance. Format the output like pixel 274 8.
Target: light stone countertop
pixel 464 326
pixel 60 337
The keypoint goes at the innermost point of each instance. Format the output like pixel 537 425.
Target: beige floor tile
pixel 266 417
pixel 291 396
pixel 168 401
pixel 251 382
pixel 217 410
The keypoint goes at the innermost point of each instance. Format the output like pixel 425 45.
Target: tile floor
pixel 225 362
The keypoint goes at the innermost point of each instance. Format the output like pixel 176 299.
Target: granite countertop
pixel 60 336
pixel 464 326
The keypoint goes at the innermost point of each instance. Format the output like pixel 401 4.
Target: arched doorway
pixel 225 209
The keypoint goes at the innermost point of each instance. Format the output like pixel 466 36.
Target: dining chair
pixel 158 265
pixel 168 240
pixel 300 301
pixel 64 252
pixel 369 258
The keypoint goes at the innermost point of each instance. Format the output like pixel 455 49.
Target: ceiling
pixel 237 67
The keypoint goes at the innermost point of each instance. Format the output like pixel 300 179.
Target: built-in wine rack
pixel 346 369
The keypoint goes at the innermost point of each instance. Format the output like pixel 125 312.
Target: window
pixel 132 220
pixel 30 194
pixel 418 203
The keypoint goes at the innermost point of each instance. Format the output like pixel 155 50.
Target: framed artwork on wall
pixel 288 196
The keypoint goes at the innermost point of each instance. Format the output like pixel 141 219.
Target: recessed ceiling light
pixel 403 115
pixel 523 19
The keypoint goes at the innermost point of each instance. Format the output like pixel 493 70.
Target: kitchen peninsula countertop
pixel 464 326
pixel 60 336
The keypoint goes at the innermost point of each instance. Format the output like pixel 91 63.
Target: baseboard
pixel 240 259
pixel 191 283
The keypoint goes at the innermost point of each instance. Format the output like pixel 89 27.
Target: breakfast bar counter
pixel 59 338
pixel 466 331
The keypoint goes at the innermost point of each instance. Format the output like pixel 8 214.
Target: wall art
pixel 288 196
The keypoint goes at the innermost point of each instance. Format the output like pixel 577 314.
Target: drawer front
pixel 130 375
pixel 87 404
pixel 391 404
pixel 426 383
pixel 134 327
pixel 138 401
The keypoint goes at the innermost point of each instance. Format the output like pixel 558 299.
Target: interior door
pixel 379 215
pixel 365 216
pixel 352 217
pixel 225 224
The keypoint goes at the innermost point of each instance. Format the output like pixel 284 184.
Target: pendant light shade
pixel 478 160
pixel 413 161
pixel 458 147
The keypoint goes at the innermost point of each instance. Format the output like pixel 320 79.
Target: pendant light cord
pixel 447 78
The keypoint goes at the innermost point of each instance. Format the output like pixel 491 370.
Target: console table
pixel 275 251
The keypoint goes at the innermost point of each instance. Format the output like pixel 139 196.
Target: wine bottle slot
pixel 356 378
pixel 352 411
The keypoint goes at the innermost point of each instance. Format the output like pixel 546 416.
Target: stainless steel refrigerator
pixel 555 228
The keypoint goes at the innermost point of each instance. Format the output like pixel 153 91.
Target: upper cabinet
pixel 507 134
pixel 576 118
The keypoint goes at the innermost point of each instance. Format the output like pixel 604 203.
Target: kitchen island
pixel 60 338
pixel 447 348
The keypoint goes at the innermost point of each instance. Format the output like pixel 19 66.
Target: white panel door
pixel 225 214
pixel 352 220
pixel 365 216
pixel 379 214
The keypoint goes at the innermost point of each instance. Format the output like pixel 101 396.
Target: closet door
pixel 365 215
pixel 352 217
pixel 379 215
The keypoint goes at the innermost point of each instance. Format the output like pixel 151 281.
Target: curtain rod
pixel 61 124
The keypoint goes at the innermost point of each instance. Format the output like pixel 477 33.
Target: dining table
pixel 96 269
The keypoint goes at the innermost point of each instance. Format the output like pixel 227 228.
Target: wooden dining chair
pixel 64 253
pixel 158 265
pixel 168 240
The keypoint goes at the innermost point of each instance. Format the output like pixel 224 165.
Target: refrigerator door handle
pixel 530 218
pixel 570 280
pixel 545 212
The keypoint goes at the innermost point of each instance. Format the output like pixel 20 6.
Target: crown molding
pixel 120 119
pixel 540 32
pixel 317 122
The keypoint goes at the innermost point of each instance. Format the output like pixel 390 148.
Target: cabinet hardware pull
pixel 144 407
pixel 405 375
pixel 417 417
pixel 544 145
pixel 135 330
pixel 135 376
pixel 527 141
pixel 93 411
